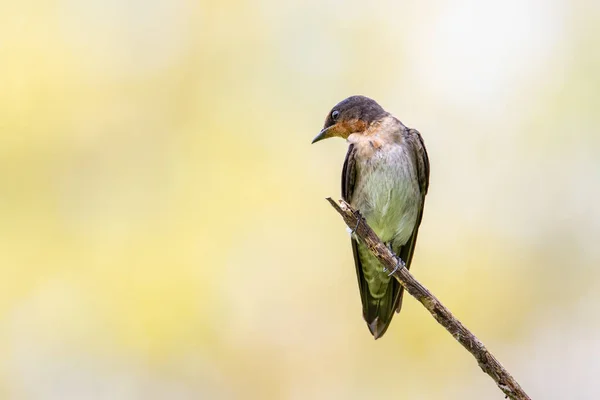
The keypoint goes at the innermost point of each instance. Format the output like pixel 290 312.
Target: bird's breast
pixel 387 191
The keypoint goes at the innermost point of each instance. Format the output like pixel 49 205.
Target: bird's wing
pixel 377 311
pixel 421 160
pixel 349 174
pixel 348 181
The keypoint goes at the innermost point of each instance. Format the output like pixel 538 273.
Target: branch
pixel 488 363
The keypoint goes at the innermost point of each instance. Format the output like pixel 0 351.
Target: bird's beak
pixel 331 131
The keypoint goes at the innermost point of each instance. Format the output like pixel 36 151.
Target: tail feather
pixel 380 294
pixel 378 318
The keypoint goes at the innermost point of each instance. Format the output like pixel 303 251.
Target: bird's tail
pixel 378 313
pixel 380 294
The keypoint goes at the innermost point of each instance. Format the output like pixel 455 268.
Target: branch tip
pixel 442 315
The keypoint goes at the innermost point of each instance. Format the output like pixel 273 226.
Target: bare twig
pixel 488 363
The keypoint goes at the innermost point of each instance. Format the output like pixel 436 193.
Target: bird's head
pixel 352 115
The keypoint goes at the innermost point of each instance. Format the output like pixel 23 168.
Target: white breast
pixel 387 192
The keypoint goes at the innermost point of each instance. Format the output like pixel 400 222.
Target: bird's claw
pixel 356 227
pixel 389 246
pixel 399 265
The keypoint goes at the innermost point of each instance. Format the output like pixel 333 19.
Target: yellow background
pixel 163 228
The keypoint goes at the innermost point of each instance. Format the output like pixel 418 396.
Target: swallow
pixel 385 176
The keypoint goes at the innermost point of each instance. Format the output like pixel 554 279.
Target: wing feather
pixel 421 159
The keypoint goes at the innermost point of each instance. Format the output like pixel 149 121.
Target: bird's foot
pixel 399 265
pixel 356 227
pixel 389 246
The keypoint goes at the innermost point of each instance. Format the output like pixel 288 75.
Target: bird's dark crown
pixel 355 108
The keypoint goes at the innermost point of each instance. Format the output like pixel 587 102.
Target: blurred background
pixel 165 233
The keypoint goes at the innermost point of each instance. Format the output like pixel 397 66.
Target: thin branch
pixel 488 363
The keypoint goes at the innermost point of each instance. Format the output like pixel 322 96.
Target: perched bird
pixel 385 176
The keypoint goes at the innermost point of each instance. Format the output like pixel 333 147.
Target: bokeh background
pixel 164 233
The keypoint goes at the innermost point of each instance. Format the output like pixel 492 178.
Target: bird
pixel 385 177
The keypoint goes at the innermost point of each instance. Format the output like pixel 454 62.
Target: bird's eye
pixel 335 114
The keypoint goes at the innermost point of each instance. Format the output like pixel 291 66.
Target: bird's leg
pixel 399 265
pixel 389 246
pixel 356 227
